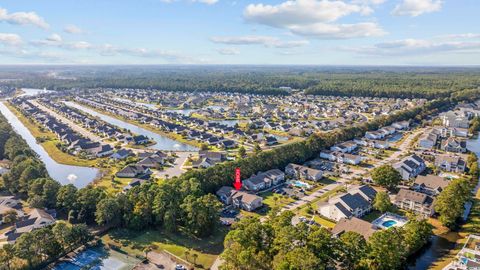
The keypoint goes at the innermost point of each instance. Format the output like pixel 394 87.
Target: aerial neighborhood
pixel 205 164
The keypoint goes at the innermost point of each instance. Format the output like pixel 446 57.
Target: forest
pixel 398 82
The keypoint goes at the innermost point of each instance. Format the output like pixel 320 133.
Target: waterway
pixel 64 174
pixel 441 244
pixel 162 142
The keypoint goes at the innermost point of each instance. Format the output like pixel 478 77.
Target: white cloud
pixel 316 18
pixel 266 41
pixel 54 38
pixel 208 2
pixel 73 29
pixel 417 7
pixel 301 12
pixel 461 36
pixel 228 51
pixel 417 47
pixel 169 56
pixel 368 2
pixel 10 39
pixel 339 31
pixel 22 18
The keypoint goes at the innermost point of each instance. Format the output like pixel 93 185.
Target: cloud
pixel 10 39
pixel 461 36
pixel 415 8
pixel 228 51
pixel 315 18
pixel 339 31
pixel 73 29
pixel 169 56
pixel 266 41
pixel 208 2
pixel 54 38
pixel 417 47
pixel 22 18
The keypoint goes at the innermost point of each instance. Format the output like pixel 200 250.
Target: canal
pixel 64 174
pixel 162 142
pixel 441 245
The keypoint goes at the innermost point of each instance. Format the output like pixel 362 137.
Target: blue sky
pixel 313 32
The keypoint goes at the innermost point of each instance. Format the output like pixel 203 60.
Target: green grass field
pixel 207 249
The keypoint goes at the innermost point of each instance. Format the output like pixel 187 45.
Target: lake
pixel 162 142
pixel 64 174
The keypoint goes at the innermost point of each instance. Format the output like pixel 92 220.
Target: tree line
pixel 378 82
pixel 279 245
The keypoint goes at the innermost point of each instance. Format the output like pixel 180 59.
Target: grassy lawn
pixel 272 199
pixel 133 242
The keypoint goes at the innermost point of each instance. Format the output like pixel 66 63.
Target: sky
pixel 272 32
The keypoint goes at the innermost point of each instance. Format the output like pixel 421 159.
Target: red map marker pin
pixel 238 183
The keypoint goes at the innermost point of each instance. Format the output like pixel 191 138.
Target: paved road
pixel 176 169
pixel 76 127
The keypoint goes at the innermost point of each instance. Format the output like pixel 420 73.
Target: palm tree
pixel 186 254
pixel 195 256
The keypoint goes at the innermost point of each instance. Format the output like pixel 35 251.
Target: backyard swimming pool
pixel 389 223
pixel 389 220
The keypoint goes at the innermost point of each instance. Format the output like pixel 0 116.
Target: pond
pixel 33 92
pixel 162 142
pixel 64 174
pixel 229 123
pixel 440 244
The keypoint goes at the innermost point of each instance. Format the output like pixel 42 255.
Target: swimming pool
pixel 389 220
pixel 300 184
pixel 389 223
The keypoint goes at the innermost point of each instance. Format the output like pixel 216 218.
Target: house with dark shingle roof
pixel 355 203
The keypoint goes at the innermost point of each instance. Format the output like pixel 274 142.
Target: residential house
pixel 355 203
pixel 303 172
pixel 121 154
pixel 239 199
pixel 450 163
pixel 132 171
pixel 419 203
pixel 454 145
pixel 353 224
pixel 36 219
pixel 427 140
pixel 430 184
pixel 410 166
pixel 264 180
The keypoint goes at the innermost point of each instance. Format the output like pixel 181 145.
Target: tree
pixel 248 246
pixel 382 202
pixel 451 201
pixel 386 250
pixel 63 234
pixel 386 176
pixel 352 248
pixel 199 213
pixel 10 216
pixel 80 234
pixel 299 258
pixel 186 253
pixel 256 148
pixel 241 152
pixel 195 257
pixel 416 234
pixel 67 197
pixel 108 212
pixel 7 255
